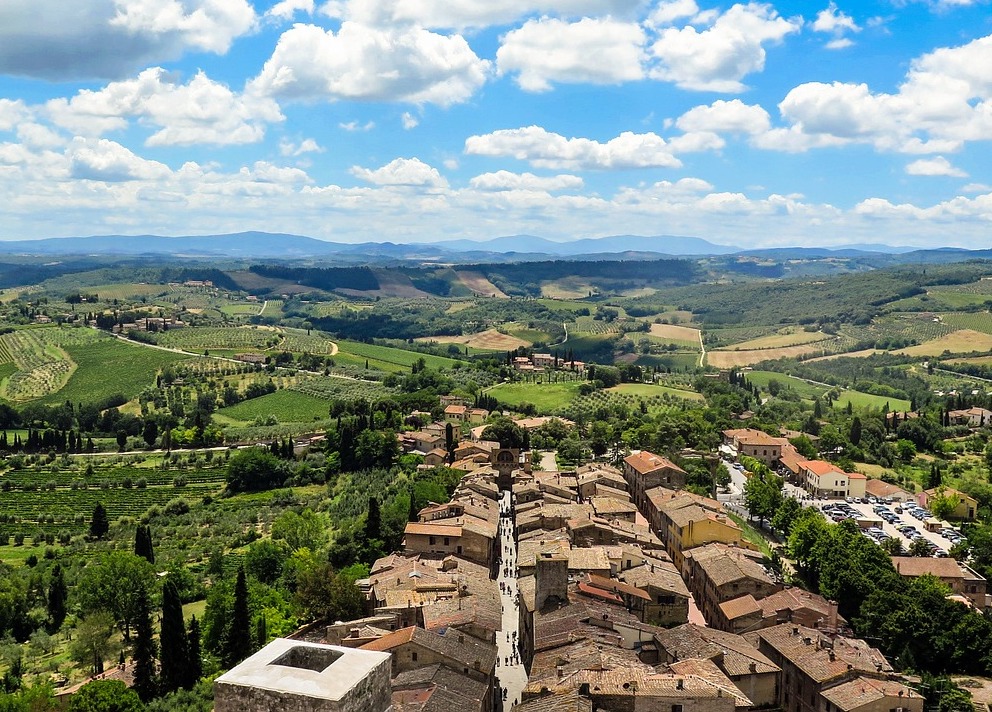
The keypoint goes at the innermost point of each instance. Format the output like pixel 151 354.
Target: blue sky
pixel 751 124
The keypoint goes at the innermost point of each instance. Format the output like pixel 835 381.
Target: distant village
pixel 595 588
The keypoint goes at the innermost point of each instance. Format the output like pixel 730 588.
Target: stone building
pixel 293 676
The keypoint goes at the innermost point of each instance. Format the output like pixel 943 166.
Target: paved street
pixel 511 673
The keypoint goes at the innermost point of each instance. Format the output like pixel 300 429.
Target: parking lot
pixel 836 510
pixel 894 524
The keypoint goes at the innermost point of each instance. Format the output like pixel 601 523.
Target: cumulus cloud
pixel 407 172
pixel 936 166
pixel 200 111
pixel 544 149
pixel 506 180
pixel 721 116
pixel 945 101
pixel 109 38
pixel 409 121
pixel 307 145
pixel 105 160
pixel 720 56
pixel 461 14
pixel 595 51
pixel 833 21
pixel 362 63
pixel 12 113
pixel 352 126
pixel 667 12
pixel 287 9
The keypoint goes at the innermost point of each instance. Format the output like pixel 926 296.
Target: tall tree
pixel 112 584
pixel 143 546
pixel 174 644
pixel 238 639
pixel 58 592
pixel 412 514
pixel 100 523
pixel 194 670
pixel 373 522
pixel 144 652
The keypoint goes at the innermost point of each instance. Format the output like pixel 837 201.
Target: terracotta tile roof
pixel 802 647
pixel 468 653
pixel 595 591
pixel 660 575
pixel 608 584
pixel 432 529
pixel 580 559
pixel 569 701
pixel 707 670
pixel 604 506
pixel 693 641
pixel 645 462
pixel 739 607
pixel 913 566
pixel 820 467
pixel 795 599
pixel 723 565
pixel 864 690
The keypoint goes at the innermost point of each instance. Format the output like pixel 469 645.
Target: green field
pixel 109 367
pixel 546 397
pixel 647 390
pixel 978 321
pixel 857 399
pixel 287 406
pixel 387 358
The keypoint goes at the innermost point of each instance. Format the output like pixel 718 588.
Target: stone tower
pixel 550 579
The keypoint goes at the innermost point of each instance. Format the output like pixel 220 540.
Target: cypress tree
pixel 174 654
pixel 144 652
pixel 143 543
pixel 99 524
pixel 373 522
pixel 58 592
pixel 238 645
pixel 261 631
pixel 194 670
pixel 411 515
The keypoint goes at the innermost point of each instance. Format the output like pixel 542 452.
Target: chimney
pixel 461 638
pixel 832 656
pixel 752 668
pixel 679 684
pixel 354 633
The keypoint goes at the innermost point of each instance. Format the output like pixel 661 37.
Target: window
pixel 413 656
pixel 432 541
pixel 676 708
pixel 446 542
pixel 459 550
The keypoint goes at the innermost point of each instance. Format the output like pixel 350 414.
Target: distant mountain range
pixel 251 245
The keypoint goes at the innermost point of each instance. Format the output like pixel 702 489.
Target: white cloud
pixel 307 145
pixel 12 113
pixel 105 160
pixel 977 188
pixel 38 136
pixel 945 101
pixel 361 63
pixel 200 111
pixel 936 166
pixel 668 11
pixel 505 180
pixel 461 14
pixel 721 116
pixel 287 9
pixel 353 126
pixel 409 121
pixel 834 21
pixel 595 51
pixel 109 38
pixel 720 56
pixel 409 172
pixel 544 149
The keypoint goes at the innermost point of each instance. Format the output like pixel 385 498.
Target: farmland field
pixel 732 359
pixel 804 389
pixel 868 400
pixel 395 359
pixel 673 361
pixel 976 321
pixel 126 291
pixel 233 338
pixel 490 340
pixel 568 288
pixel 671 332
pixel 647 390
pixel 524 333
pixel 479 284
pixel 130 368
pixel 774 341
pixel 864 353
pixel 546 397
pixel 957 342
pixel 288 406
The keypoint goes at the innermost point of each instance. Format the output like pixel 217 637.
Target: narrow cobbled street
pixel 510 671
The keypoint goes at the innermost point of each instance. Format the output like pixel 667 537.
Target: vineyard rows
pixel 340 388
pixel 977 321
pixel 50 512
pixel 235 338
pixel 115 477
